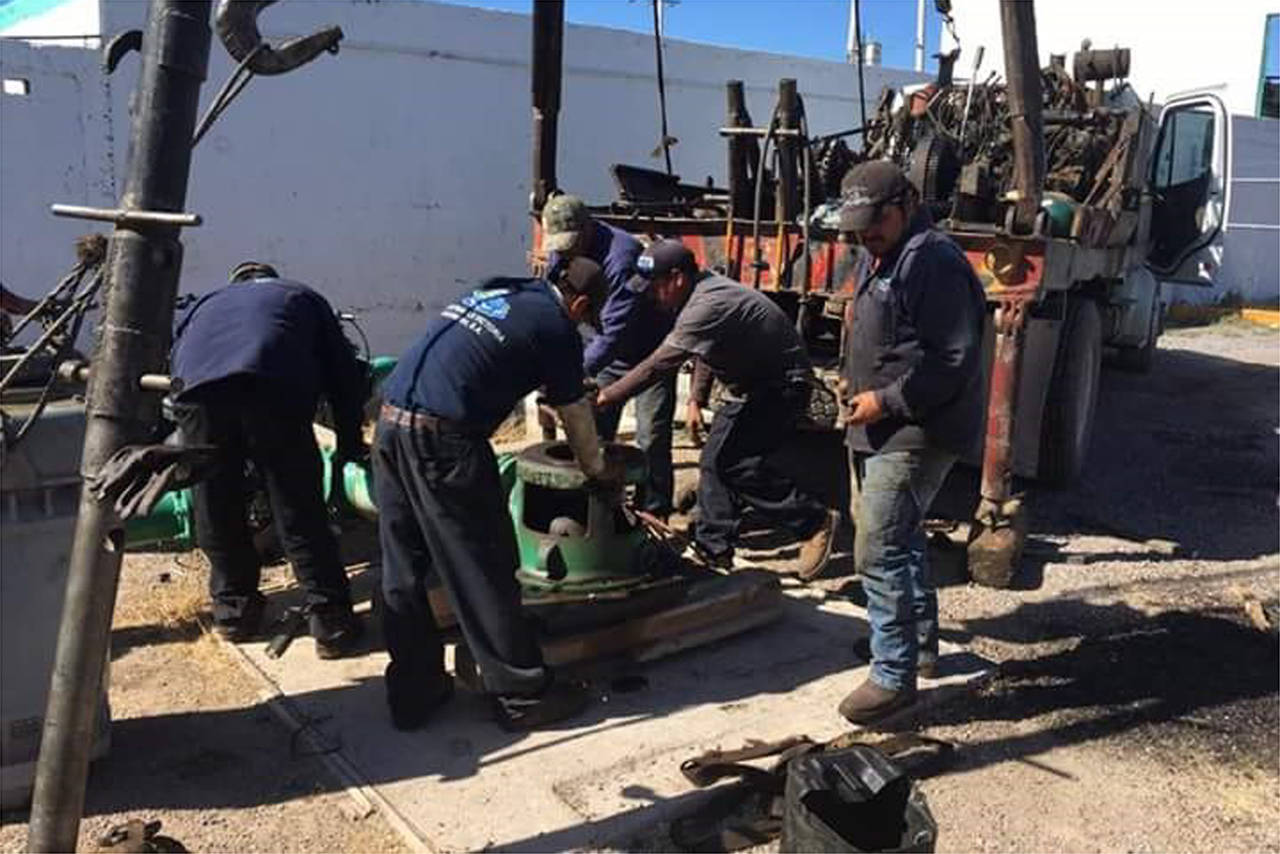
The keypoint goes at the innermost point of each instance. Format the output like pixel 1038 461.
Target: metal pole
pixel 662 85
pixel 548 46
pixel 1022 70
pixel 856 8
pixel 919 35
pixel 133 339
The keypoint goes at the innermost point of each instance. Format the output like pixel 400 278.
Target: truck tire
pixel 1073 395
pixel 1139 360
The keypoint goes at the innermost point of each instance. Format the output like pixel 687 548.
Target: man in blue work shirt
pixel 441 508
pixel 912 367
pixel 631 327
pixel 253 359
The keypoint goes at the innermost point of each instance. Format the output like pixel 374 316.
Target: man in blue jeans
pixel 631 327
pixel 913 380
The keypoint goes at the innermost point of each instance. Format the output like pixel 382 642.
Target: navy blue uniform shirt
pixel 631 324
pixel 916 339
pixel 486 351
pixel 280 332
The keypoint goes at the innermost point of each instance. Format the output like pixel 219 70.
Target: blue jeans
pixel 890 495
pixel 655 414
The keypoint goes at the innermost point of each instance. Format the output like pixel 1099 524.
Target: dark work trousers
pixel 441 515
pixel 734 472
pixel 655 413
pixel 249 421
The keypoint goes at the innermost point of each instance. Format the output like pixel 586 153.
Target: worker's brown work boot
pixel 337 630
pixel 869 702
pixel 816 551
pixel 558 701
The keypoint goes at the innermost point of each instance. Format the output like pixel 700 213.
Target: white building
pixel 387 175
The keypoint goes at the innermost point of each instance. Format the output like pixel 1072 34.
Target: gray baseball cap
pixel 563 219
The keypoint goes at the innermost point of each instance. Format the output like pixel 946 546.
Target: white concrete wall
pixel 1174 46
pixel 55 146
pixel 396 172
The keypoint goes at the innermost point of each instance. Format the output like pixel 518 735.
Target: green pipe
pixel 170 523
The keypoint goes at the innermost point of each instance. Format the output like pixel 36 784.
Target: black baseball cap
pixel 866 189
pixel 584 276
pixel 663 256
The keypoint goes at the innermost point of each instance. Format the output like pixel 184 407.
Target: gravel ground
pixel 1135 709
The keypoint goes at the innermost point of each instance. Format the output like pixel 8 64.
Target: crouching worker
pixel 253 359
pixel 441 509
pixel 742 338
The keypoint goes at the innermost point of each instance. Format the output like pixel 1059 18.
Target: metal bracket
pixel 124 216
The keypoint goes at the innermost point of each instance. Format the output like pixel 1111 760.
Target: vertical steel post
pixel 1026 119
pixel 786 199
pixel 133 339
pixel 548 46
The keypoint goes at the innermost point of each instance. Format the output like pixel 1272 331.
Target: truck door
pixel 1188 181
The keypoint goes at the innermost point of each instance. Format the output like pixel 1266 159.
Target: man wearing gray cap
pixel 747 342
pixel 912 379
pixel 631 327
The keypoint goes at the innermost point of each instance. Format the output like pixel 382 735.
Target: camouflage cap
pixel 563 219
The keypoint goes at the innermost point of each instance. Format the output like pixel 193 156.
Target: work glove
pixel 136 476
pixel 614 473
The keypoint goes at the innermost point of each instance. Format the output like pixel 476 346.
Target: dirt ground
pixel 1135 707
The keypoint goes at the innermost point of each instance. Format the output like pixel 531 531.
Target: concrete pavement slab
pixel 609 777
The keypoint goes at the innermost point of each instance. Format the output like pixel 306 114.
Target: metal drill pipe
pixel 1026 119
pixel 548 46
pixel 133 339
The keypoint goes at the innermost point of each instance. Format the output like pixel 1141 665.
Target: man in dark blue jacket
pixel 631 327
pixel 441 510
pixel 912 370
pixel 254 358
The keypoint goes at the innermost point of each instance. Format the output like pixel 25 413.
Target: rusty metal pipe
pixel 1026 119
pixel 999 528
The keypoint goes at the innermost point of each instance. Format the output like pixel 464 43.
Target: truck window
pixel 1186 151
pixel 1182 178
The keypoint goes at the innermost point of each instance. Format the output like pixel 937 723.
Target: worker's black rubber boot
pixel 412 706
pixel 715 560
pixel 336 630
pixel 247 625
pixel 560 700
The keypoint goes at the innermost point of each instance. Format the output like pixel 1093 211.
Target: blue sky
pixel 814 28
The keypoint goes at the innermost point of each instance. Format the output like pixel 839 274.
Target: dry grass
pixel 164 591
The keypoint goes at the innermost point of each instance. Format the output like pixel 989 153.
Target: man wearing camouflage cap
pixel 912 377
pixel 631 327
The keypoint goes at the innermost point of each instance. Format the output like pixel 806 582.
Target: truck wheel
pixel 1073 395
pixel 1139 360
